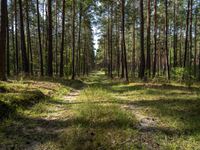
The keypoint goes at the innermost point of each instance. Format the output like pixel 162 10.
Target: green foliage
pixel 177 73
pixel 188 77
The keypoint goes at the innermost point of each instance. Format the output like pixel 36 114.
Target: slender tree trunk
pixel 123 40
pixel 148 64
pixel 195 46
pixel 175 34
pixel 142 55
pixel 62 42
pixel 108 42
pixel 8 43
pixel 180 51
pixel 16 38
pixel 166 39
pixel 118 48
pixel 39 40
pixel 13 41
pixel 186 34
pixel 50 53
pixel 133 49
pixel 191 39
pixel 73 39
pixel 79 40
pixel 56 47
pixel 84 51
pixel 155 38
pixel 3 40
pixel 25 63
pixel 29 46
pixel 111 42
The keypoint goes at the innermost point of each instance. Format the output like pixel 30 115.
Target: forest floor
pixel 98 113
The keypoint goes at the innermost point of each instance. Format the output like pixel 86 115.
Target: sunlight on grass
pixel 97 125
pixel 95 94
pixel 103 116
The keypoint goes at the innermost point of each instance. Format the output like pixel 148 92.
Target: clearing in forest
pixel 98 113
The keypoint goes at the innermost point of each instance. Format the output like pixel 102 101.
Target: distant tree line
pixel 149 38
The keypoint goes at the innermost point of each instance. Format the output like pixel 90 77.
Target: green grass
pixel 103 116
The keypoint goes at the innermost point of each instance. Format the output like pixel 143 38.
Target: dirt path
pixel 59 113
pixel 146 123
pixel 72 96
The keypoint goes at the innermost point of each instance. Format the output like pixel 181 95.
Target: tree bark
pixel 195 46
pixel 3 41
pixel 175 34
pixel 166 39
pixel 16 39
pixel 39 40
pixel 50 53
pixel 155 38
pixel 133 49
pixel 148 63
pixel 62 42
pixel 186 34
pixel 142 55
pixel 123 40
pixel 79 40
pixel 56 47
pixel 25 63
pixel 191 38
pixel 73 39
pixel 8 43
pixel 29 45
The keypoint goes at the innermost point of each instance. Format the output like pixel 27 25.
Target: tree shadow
pixel 24 132
pixel 186 113
pixel 125 88
pixel 74 84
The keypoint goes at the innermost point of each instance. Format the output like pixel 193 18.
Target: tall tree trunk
pixel 108 42
pixel 123 40
pixel 56 47
pixel 148 63
pixel 84 51
pixel 8 43
pixel 29 45
pixel 39 40
pixel 166 39
pixel 3 40
pixel 155 38
pixel 118 48
pixel 133 49
pixel 195 46
pixel 180 45
pixel 111 42
pixel 73 39
pixel 78 64
pixel 62 42
pixel 50 51
pixel 175 34
pixel 13 41
pixel 142 55
pixel 16 38
pixel 186 35
pixel 191 39
pixel 25 63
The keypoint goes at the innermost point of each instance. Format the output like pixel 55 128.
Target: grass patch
pixel 104 115
pixel 98 126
